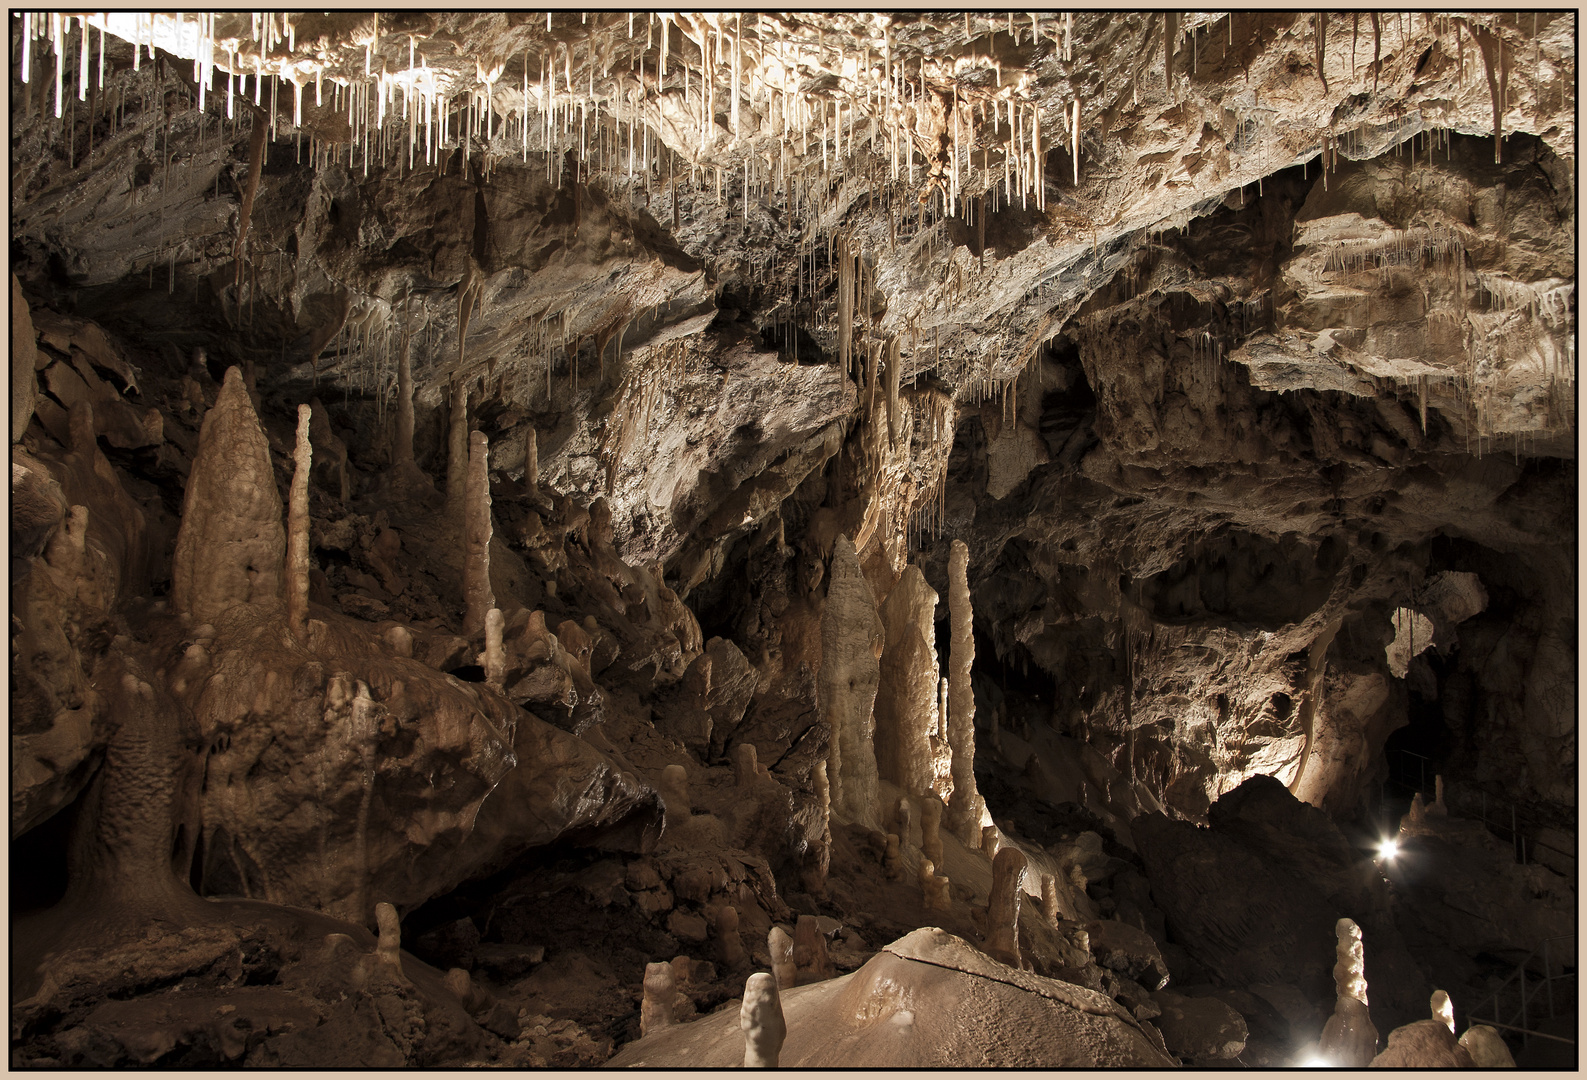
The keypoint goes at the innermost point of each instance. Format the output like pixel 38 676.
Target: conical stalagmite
pixel 531 462
pixel 851 643
pixel 297 568
pixel 477 594
pixel 231 545
pixel 965 807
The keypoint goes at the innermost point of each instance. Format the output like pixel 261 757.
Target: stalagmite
pixel 904 819
pixel 400 638
pixel 761 1018
pixel 934 886
pixel 390 948
pixel 675 791
pixel 531 462
pixel 931 828
pixel 810 951
pixel 818 859
pixel 965 807
pixel 231 544
pixel 991 841
pixel 457 440
pixel 1443 1009
pixel 1486 1047
pixel 494 659
pixel 655 1011
pixel 24 384
pixel 1049 899
pixel 781 947
pixel 907 692
pixel 729 946
pixel 297 567
pixel 1002 912
pixel 851 645
pixel 745 768
pixel 892 862
pixel 477 593
pixel 1438 809
pixel 1348 1039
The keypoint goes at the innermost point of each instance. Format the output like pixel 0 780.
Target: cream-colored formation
pixel 531 462
pixel 1486 1047
pixel 297 568
pixel 389 948
pixel 494 658
pixel 851 644
pixel 818 859
pixel 729 946
pixel 933 886
pixel 1443 1009
pixel 1002 912
pixel 231 546
pixel 965 806
pixel 781 947
pixel 1049 899
pixel 906 698
pixel 1349 1039
pixel 761 1018
pixel 810 951
pixel 892 860
pixel 477 592
pixel 655 1010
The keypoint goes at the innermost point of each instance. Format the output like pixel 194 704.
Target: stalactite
pixel 894 363
pixel 457 448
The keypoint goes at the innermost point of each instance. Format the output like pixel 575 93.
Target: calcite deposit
pixel 816 539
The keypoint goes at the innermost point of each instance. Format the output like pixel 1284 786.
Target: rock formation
pixel 852 638
pixel 906 696
pixel 965 806
pixel 231 545
pixel 761 1018
pixel 477 593
pixel 1218 369
pixel 1349 1040
pixel 1002 912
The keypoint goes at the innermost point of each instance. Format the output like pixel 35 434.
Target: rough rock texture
pixel 1219 368
pixel 1203 1029
pixel 916 1004
pixel 231 546
pixel 852 638
pixel 1296 876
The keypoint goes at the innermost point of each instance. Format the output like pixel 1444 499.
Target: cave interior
pixel 567 539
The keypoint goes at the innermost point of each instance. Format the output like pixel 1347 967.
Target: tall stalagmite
pixel 965 806
pixel 297 569
pixel 403 451
pixel 477 592
pixel 231 544
pixel 851 645
pixel 906 699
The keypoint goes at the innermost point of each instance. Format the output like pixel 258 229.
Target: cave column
pixel 966 809
pixel 457 442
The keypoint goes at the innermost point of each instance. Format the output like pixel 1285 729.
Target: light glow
pixel 1388 849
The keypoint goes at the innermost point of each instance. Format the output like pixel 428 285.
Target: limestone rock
pixel 230 547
